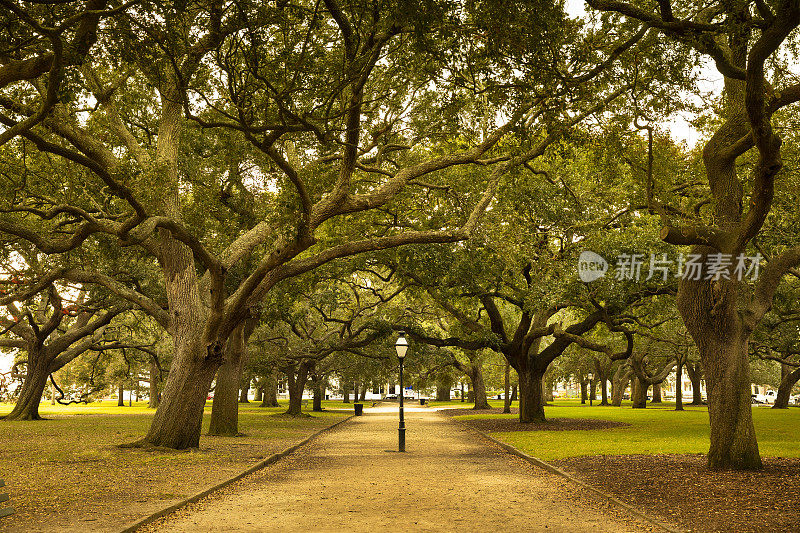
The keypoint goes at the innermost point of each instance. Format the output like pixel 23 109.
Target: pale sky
pixel 678 125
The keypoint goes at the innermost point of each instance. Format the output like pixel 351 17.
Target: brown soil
pixel 353 479
pixel 512 424
pixel 680 489
pixel 68 473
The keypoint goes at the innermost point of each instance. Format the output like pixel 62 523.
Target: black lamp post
pixel 591 377
pixel 402 347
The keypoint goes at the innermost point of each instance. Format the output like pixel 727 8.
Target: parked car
pixel 390 397
pixel 768 397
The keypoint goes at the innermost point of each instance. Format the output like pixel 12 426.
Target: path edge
pixel 255 468
pixel 557 471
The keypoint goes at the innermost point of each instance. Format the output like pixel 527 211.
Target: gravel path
pixel 352 479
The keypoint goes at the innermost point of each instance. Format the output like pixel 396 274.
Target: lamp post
pixel 591 377
pixel 402 347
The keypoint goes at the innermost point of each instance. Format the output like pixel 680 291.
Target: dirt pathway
pixel 352 479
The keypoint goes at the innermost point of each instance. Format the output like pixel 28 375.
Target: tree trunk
pixel 788 380
pixel 259 397
pixel 478 388
pixel 297 384
pixel 27 406
pixel 178 420
pixel 656 393
pixel 225 406
pixel 244 389
pixel 270 398
pixel 318 393
pixel 442 392
pixel 592 389
pixel 639 393
pixel 155 377
pixel 619 385
pixel 363 395
pixel 52 394
pixel 462 391
pixel 531 397
pixel 695 375
pixel 604 390
pixel 507 389
pixel 513 393
pixel 345 395
pixel 121 393
pixel 733 438
pixel 679 387
pixel 548 390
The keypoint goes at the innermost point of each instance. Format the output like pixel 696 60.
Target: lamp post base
pixel 401 434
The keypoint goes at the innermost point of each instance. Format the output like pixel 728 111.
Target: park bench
pixel 4 511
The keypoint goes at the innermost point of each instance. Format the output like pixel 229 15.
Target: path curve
pixel 352 479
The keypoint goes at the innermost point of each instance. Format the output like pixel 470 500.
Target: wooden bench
pixel 4 511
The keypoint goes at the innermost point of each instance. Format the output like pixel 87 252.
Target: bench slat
pixel 6 512
pixel 4 498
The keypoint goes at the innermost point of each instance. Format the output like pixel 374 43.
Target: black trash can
pixel 359 407
pixel 422 401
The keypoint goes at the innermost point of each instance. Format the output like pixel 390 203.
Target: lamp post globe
pixel 402 347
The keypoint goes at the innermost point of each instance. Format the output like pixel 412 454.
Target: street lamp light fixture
pixel 402 347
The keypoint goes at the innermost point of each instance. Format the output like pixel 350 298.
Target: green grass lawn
pixel 652 431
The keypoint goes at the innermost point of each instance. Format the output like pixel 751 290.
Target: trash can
pixel 422 401
pixel 359 407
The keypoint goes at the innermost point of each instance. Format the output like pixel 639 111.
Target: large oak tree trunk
pixel 121 394
pixel 178 420
pixel 225 407
pixel 639 393
pixel 270 398
pixel 475 375
pixel 531 397
pixel 788 380
pixel 27 406
pixel 656 393
pixel 733 437
pixel 709 310
pixel 297 384
pixel 619 384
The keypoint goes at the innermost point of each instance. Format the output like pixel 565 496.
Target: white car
pixel 769 397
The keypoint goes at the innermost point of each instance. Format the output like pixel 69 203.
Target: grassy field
pixel 655 430
pixel 68 473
